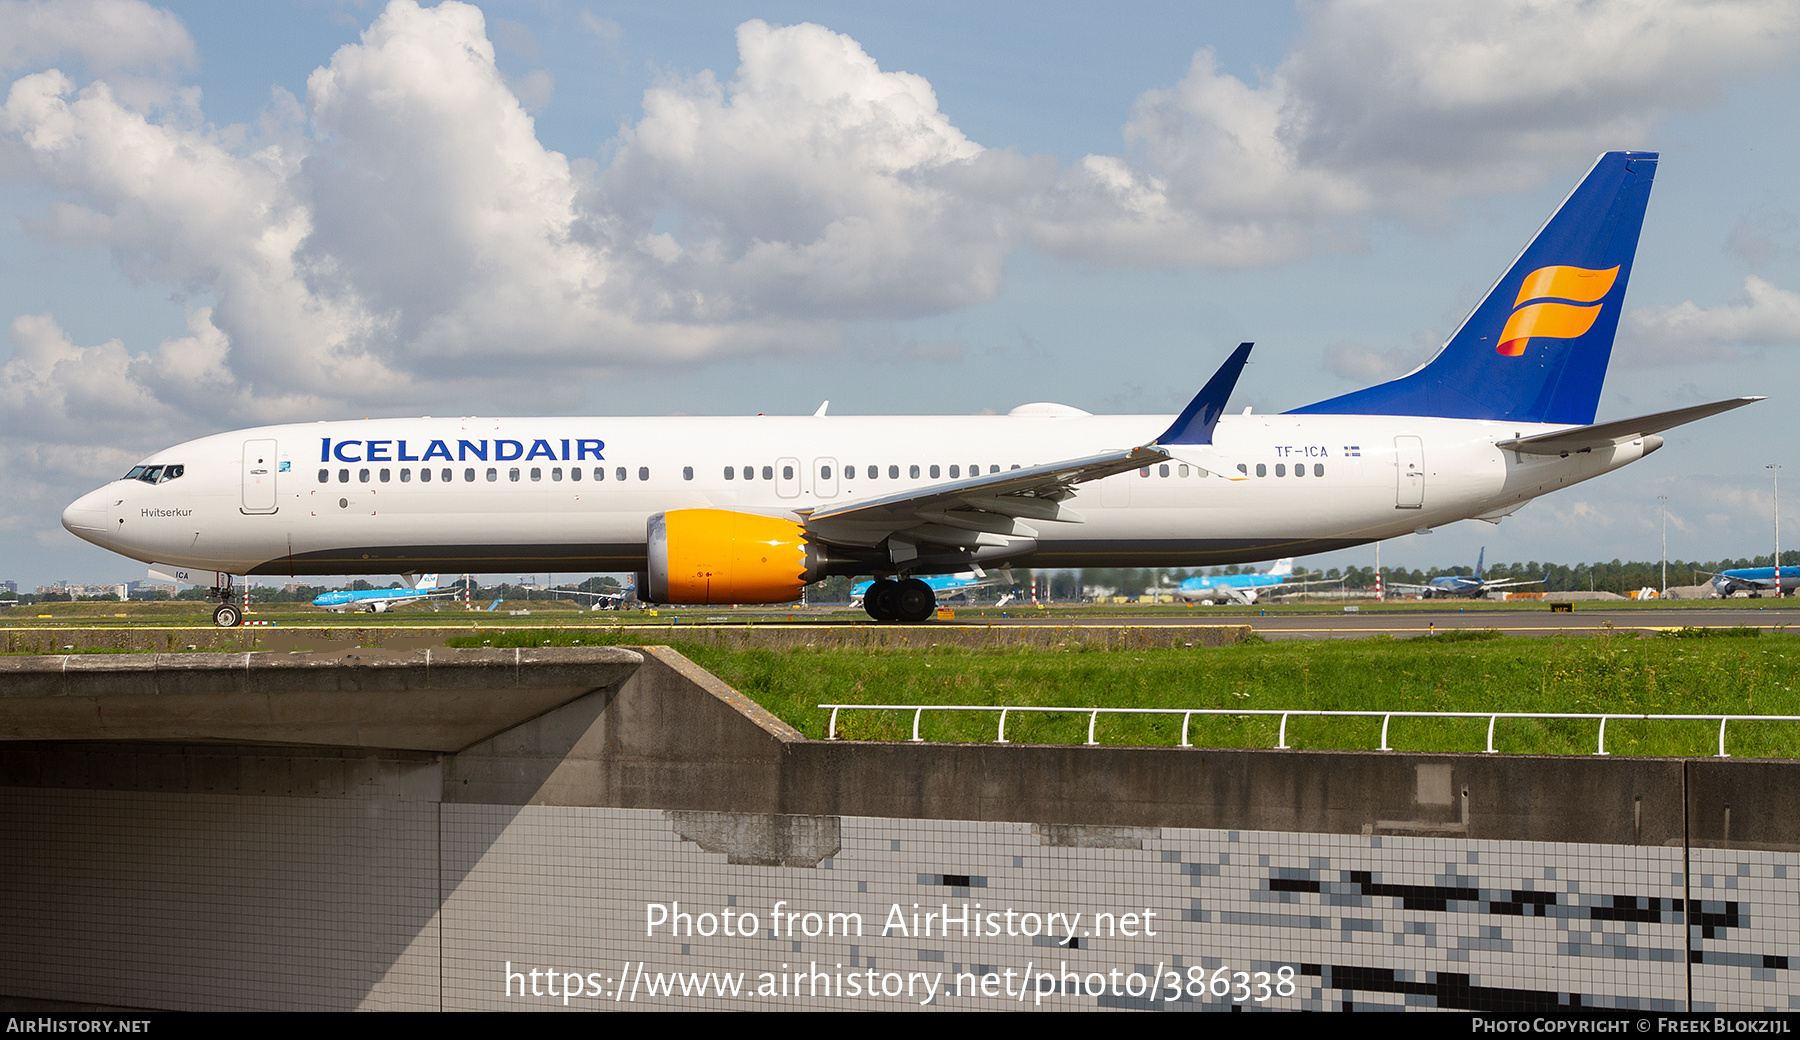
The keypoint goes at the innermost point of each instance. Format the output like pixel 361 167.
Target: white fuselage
pixel 349 498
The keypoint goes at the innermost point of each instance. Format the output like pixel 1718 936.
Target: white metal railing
pixel 1281 743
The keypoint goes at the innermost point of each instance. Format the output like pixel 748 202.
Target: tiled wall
pixel 223 901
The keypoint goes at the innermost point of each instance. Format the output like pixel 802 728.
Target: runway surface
pixel 1582 621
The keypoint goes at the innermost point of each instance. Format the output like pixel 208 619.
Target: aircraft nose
pixel 88 517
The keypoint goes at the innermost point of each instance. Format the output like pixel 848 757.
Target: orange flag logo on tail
pixel 1553 319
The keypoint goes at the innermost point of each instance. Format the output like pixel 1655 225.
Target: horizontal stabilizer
pixel 1605 435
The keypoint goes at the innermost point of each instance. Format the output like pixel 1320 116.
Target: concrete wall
pixel 143 867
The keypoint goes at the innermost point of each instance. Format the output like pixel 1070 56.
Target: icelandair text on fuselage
pixel 965 921
pixel 559 449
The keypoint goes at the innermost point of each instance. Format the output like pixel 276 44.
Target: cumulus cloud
pixel 107 35
pixel 1395 105
pixel 1764 315
pixel 814 183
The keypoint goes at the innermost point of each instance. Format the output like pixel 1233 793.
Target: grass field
pixel 1723 672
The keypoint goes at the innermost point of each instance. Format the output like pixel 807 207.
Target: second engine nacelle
pixel 722 556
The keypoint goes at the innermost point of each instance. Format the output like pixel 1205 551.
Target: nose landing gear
pixel 227 614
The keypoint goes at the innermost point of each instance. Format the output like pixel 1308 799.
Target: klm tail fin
pixel 1536 348
pixel 1281 568
pixel 1480 562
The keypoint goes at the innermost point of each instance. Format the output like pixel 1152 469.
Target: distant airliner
pixel 377 601
pixel 1471 585
pixel 752 509
pixel 1756 580
pixel 1240 588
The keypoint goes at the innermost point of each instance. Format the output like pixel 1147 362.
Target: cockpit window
pixel 155 474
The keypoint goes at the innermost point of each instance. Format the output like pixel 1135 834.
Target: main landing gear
pixel 911 601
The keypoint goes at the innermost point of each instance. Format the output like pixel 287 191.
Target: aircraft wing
pixel 982 510
pixel 1605 435
pixel 992 509
pixel 1487 585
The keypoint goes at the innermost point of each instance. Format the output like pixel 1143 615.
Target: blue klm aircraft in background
pixel 375 601
pixel 1756 580
pixel 1241 588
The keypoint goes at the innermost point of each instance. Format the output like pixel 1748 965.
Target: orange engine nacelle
pixel 721 556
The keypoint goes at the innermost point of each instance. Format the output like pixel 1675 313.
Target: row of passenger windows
pixel 1281 469
pixel 155 474
pixel 913 472
pixel 1182 470
pixel 447 474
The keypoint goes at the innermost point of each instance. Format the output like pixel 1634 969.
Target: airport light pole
pixel 1664 499
pixel 1775 468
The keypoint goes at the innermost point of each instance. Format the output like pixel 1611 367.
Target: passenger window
pixel 1261 470
pixel 768 472
pixel 1198 472
pixel 1181 470
pixel 494 474
pixel 362 476
pixel 787 473
pixel 849 472
pixel 405 475
pixel 913 472
pixel 955 472
pixel 730 472
pixel 874 471
pixel 996 469
pixel 537 474
pixel 1243 470
pixel 749 472
pixel 1016 466
pixel 599 472
pixel 425 476
pixel 1299 469
pixel 619 472
pixel 447 474
pixel 1144 472
pixel 385 474
pixel 643 472
pixel 1318 469
pixel 324 476
pixel 824 472
pixel 893 472
pixel 687 473
pixel 574 472
pixel 512 474
pixel 1162 470
pixel 934 473
pixel 469 475
pixel 556 473
pixel 1281 469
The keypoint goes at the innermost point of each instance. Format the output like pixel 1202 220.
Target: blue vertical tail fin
pixel 1536 348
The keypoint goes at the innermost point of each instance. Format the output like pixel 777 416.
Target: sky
pixel 222 216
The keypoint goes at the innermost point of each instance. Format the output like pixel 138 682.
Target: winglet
pixel 1195 424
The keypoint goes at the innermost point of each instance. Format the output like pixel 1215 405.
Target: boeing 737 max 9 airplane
pixel 749 510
